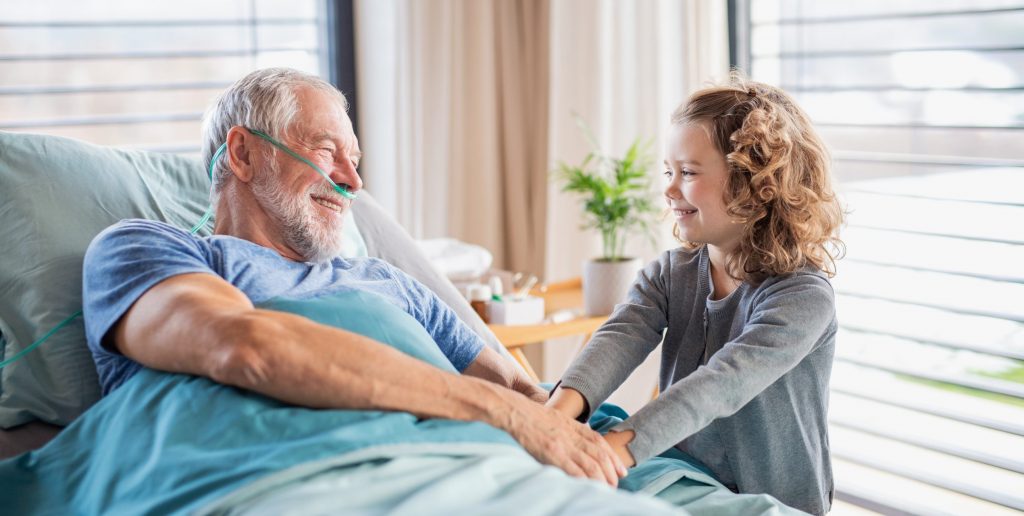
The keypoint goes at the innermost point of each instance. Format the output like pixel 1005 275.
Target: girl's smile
pixel 683 213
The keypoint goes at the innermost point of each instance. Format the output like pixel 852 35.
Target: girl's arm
pixel 619 346
pixel 792 317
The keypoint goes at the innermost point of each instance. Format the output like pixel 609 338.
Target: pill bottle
pixel 497 288
pixel 480 299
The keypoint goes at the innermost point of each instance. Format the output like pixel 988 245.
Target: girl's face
pixel 697 173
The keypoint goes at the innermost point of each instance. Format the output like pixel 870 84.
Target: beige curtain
pixel 455 101
pixel 523 29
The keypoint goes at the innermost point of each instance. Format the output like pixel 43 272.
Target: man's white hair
pixel 265 101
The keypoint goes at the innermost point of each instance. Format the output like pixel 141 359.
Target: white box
pixel 511 311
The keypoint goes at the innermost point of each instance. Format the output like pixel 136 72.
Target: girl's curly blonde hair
pixel 779 184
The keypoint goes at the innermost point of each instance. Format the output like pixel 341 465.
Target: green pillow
pixel 56 194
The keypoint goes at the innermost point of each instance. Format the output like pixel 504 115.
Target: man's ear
pixel 241 153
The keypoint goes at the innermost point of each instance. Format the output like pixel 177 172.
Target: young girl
pixel 745 305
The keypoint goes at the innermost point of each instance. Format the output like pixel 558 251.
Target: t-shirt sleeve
pixel 455 339
pixel 126 260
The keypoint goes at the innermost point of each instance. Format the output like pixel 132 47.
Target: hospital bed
pixel 165 443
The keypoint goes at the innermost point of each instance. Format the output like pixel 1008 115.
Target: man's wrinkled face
pixel 304 206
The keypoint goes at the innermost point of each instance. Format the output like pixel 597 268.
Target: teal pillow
pixel 56 194
pixel 370 315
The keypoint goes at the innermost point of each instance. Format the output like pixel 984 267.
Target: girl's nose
pixel 673 192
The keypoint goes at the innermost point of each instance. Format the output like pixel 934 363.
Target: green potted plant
pixel 617 202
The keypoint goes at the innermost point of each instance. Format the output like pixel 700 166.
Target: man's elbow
pixel 242 356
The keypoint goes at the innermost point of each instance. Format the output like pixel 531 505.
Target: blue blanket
pixel 171 443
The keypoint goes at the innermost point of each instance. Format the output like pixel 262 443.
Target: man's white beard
pixel 315 237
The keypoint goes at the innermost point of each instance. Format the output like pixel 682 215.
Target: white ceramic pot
pixel 605 284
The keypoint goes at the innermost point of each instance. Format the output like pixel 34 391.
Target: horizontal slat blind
pixel 922 105
pixel 141 74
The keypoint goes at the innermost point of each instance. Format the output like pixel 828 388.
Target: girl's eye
pixel 687 172
pixel 668 174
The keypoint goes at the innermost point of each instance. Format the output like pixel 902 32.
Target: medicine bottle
pixel 480 300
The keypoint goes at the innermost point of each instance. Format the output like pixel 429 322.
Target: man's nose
pixel 345 173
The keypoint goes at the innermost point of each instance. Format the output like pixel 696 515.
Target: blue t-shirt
pixel 130 257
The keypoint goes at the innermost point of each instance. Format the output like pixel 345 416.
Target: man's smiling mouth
pixel 329 204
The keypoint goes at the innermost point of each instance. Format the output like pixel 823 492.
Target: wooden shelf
pixel 519 336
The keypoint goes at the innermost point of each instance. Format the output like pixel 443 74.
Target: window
pixel 922 105
pixel 139 74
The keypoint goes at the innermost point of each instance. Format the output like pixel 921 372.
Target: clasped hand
pixel 556 439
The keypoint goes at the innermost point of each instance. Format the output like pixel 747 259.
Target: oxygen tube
pixel 199 225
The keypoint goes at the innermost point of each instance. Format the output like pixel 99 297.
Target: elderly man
pixel 158 297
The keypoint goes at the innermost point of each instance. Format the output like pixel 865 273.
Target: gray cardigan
pixel 744 379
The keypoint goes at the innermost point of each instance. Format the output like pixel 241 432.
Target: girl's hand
pixel 567 401
pixel 618 442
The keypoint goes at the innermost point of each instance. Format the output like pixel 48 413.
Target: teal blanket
pixel 169 443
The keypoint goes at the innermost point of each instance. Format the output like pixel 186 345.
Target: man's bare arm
pixel 493 367
pixel 200 324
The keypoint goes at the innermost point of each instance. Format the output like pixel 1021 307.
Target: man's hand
pixel 525 386
pixel 553 438
pixel 618 442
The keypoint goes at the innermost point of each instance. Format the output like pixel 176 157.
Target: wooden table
pixel 565 295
